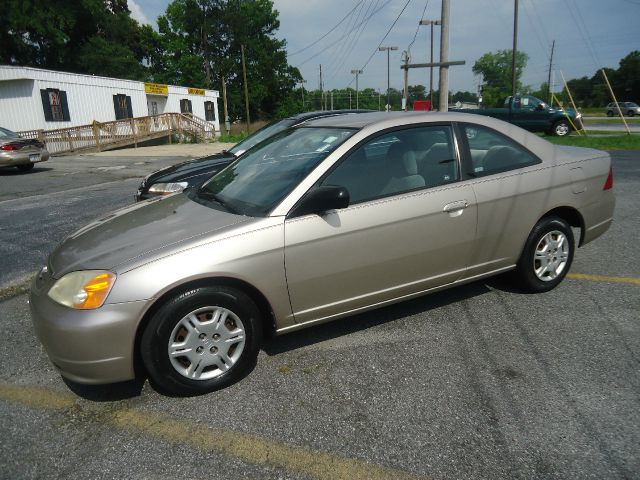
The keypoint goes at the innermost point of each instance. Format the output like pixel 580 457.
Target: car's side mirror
pixel 542 106
pixel 320 200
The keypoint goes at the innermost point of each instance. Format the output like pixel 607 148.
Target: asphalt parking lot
pixel 480 381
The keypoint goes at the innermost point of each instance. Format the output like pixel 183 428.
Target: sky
pixel 588 34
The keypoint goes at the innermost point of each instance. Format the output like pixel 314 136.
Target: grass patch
pixel 615 120
pixel 593 111
pixel 600 141
pixel 231 138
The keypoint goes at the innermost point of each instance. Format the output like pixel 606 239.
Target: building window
pixel 54 104
pixel 185 106
pixel 122 106
pixel 209 112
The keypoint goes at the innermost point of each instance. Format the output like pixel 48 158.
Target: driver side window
pixel 396 163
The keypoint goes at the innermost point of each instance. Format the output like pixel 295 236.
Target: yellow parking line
pixel 249 448
pixel 604 278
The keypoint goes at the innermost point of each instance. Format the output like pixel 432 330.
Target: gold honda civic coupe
pixel 318 222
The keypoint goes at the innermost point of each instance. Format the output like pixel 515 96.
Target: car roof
pixel 303 117
pixel 365 119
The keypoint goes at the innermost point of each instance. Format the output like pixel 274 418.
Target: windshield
pixel 261 134
pixel 255 183
pixel 7 134
pixel 632 104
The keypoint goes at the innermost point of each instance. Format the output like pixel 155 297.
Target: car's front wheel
pixel 561 128
pixel 547 255
pixel 202 340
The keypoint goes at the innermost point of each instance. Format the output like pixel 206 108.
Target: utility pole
pixel 388 50
pixel 227 124
pixel 515 51
pixel 432 23
pixel 246 88
pixel 444 57
pixel 405 97
pixel 331 99
pixel 321 96
pixel 550 65
pixel 302 82
pixel 356 73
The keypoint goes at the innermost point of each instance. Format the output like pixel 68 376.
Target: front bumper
pixel 86 346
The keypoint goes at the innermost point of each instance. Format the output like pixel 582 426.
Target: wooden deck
pixel 121 133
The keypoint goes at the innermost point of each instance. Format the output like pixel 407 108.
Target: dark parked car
pixel 532 114
pixel 19 152
pixel 195 172
pixel 627 108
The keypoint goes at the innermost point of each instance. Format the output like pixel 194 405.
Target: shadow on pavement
pixel 107 393
pixel 363 321
pixel 12 171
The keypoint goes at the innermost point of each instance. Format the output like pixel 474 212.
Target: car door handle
pixel 454 206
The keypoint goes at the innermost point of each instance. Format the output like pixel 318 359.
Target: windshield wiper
pixel 216 198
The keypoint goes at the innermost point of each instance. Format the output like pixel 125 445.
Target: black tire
pixel 525 271
pixel 561 128
pixel 26 167
pixel 631 113
pixel 609 113
pixel 167 324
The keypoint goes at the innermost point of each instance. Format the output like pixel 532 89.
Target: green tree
pixel 199 44
pixel 84 36
pixel 627 81
pixel 496 72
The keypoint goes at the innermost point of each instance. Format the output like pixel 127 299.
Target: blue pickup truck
pixel 532 114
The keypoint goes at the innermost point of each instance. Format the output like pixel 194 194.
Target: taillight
pixel 609 183
pixel 11 146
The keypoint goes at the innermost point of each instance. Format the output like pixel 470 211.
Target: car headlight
pixel 83 290
pixel 578 115
pixel 167 188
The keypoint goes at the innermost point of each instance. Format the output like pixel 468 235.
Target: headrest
pixel 402 160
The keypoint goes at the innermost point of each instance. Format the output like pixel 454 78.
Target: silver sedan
pixel 341 215
pixel 19 152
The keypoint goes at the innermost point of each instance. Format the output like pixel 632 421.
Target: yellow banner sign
pixel 196 91
pixel 156 88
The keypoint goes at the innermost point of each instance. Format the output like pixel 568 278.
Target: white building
pixel 33 99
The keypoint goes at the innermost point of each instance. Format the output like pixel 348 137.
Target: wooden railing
pixel 121 133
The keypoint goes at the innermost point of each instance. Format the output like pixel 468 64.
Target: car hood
pixel 569 111
pixel 185 170
pixel 139 233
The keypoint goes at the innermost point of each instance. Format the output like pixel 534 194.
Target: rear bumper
pixel 24 156
pixel 598 217
pixel 86 346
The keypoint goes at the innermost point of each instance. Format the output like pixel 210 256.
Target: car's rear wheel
pixel 561 128
pixel 26 167
pixel 547 255
pixel 202 340
pixel 609 113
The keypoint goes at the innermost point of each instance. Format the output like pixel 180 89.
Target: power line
pixel 418 27
pixel 585 38
pixel 352 42
pixel 385 36
pixel 342 37
pixel 534 27
pixel 324 36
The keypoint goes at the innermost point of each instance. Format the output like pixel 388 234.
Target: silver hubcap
pixel 206 343
pixel 551 256
pixel 562 129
